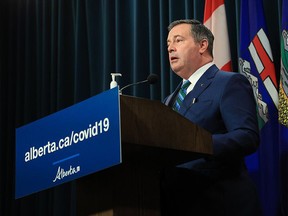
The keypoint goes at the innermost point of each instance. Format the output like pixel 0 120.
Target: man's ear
pixel 203 46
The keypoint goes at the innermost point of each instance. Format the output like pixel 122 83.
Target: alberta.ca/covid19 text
pixel 93 130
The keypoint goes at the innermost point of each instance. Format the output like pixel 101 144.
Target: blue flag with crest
pixel 256 63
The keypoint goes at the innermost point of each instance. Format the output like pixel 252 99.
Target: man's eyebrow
pixel 175 36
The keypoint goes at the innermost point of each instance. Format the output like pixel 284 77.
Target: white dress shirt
pixel 196 76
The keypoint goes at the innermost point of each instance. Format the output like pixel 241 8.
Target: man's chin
pixel 176 70
pixel 179 73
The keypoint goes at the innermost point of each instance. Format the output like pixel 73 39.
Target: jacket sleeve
pixel 238 112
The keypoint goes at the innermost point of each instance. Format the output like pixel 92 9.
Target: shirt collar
pixel 196 75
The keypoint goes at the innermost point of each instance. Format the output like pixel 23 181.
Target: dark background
pixel 56 53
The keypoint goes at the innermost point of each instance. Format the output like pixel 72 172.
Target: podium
pixel 153 137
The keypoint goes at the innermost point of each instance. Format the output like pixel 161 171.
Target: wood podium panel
pixel 153 137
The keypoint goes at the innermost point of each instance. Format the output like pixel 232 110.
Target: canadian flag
pixel 215 20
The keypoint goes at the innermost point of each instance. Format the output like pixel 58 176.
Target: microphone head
pixel 152 78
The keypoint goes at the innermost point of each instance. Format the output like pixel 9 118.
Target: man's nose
pixel 171 48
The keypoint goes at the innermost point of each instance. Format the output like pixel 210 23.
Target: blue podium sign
pixel 74 142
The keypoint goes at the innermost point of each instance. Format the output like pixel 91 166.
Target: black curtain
pixel 59 52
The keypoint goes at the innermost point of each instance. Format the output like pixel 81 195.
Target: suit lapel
pixel 198 89
pixel 171 99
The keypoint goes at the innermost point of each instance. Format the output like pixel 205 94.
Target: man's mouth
pixel 173 58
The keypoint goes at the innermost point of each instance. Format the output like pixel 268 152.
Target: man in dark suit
pixel 223 104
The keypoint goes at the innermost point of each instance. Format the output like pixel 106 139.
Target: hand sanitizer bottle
pixel 113 83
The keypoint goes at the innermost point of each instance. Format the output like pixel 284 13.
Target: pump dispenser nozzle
pixel 113 82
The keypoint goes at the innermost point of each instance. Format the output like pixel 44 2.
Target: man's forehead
pixel 179 30
pixel 182 26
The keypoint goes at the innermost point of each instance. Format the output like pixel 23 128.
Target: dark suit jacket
pixel 224 105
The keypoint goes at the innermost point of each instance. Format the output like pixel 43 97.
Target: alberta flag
pixel 283 109
pixel 256 63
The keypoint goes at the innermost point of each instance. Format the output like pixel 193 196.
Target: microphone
pixel 151 79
